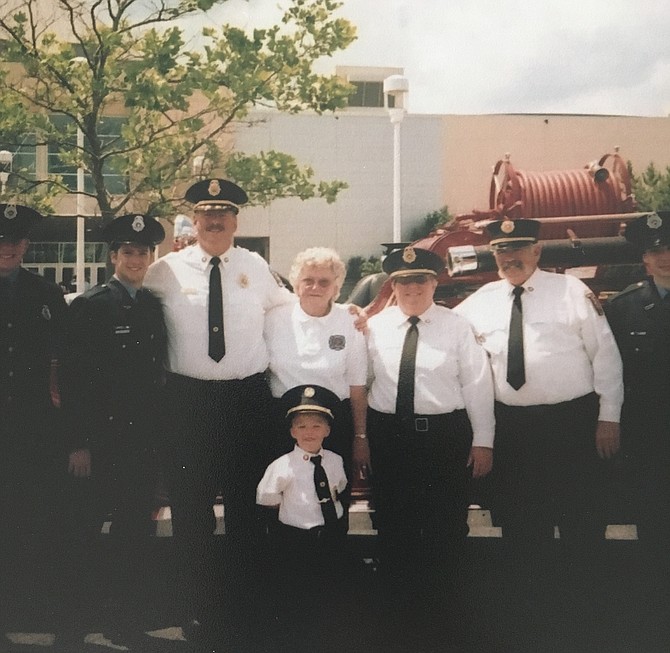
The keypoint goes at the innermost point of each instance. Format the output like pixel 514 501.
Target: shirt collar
pixel 204 258
pixel 131 290
pixel 426 316
pixel 662 291
pixel 306 455
pixel 531 283
pixel 301 316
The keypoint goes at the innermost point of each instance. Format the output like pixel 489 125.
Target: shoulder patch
pixel 596 303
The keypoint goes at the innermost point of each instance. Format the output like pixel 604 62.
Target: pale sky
pixel 507 56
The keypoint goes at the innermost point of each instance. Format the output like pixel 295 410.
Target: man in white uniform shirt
pixel 215 297
pixel 430 420
pixel 558 384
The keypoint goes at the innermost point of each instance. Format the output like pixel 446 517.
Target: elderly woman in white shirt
pixel 315 341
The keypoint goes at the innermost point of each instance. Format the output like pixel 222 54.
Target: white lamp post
pixel 80 256
pixel 6 158
pixel 81 221
pixel 396 86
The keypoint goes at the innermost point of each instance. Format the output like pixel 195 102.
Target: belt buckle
pixel 421 424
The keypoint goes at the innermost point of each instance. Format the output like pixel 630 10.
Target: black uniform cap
pixel 649 231
pixel 16 221
pixel 410 261
pixel 512 234
pixel 389 247
pixel 310 398
pixel 134 228
pixel 212 194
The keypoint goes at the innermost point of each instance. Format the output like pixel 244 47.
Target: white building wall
pixel 356 147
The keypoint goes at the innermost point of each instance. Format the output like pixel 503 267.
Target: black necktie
pixel 217 344
pixel 516 372
pixel 404 404
pixel 323 492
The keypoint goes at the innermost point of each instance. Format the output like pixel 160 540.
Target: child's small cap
pixel 310 398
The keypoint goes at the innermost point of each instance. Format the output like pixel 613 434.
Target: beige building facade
pixel 445 160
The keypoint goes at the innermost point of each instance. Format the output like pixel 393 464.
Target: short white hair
pixel 320 257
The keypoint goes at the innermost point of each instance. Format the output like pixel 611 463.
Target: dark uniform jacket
pixel 32 455
pixel 640 320
pixel 31 338
pixel 114 364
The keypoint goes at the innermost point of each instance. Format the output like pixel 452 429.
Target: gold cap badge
pixel 409 255
pixel 214 188
pixel 138 223
pixel 507 227
pixel 309 392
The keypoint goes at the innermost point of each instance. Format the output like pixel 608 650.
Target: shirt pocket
pixel 492 336
pixel 244 315
pixel 550 328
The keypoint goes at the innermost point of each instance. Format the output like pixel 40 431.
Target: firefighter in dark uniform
pixel 640 319
pixel 32 313
pixel 114 373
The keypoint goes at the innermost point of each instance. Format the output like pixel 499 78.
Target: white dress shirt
pixel 452 371
pixel 288 482
pixel 569 349
pixel 181 281
pixel 326 351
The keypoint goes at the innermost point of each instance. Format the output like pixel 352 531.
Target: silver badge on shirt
pixel 337 343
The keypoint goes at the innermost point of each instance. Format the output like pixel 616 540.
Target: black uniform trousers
pixel 420 484
pixel 218 443
pixel 35 562
pixel 546 472
pixel 420 478
pixel 121 489
pixel 311 579
pixel 645 425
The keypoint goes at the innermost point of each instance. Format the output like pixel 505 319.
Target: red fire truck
pixel 582 211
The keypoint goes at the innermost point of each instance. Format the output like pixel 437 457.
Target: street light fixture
pixel 6 158
pixel 396 86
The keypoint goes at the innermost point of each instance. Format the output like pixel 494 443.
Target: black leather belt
pixel 417 424
pixel 176 379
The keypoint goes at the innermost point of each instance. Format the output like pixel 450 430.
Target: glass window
pixel 24 153
pixel 109 131
pixel 369 94
pixel 64 253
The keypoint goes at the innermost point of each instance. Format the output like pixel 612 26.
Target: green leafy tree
pixel 651 188
pixel 431 221
pixel 128 58
pixel 359 267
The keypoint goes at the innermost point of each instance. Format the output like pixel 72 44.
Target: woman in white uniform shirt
pixel 314 341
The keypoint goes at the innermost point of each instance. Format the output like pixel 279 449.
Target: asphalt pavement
pixel 612 605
